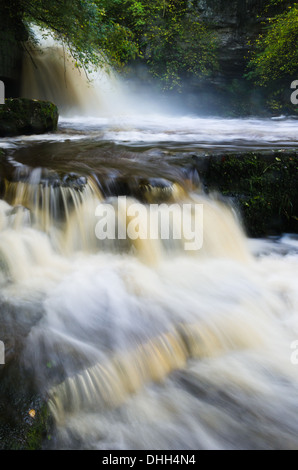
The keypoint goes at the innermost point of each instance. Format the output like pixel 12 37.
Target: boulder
pixel 21 116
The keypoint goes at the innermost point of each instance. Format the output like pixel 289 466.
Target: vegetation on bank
pixel 263 186
pixel 168 36
pixel 275 54
pixel 273 62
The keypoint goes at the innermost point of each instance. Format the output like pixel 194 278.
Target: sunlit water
pixel 139 344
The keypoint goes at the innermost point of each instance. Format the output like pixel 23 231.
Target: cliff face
pixel 235 22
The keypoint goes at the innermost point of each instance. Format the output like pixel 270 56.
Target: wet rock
pixel 262 186
pixel 22 116
pixel 19 430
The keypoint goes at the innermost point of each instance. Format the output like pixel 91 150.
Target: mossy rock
pixel 264 187
pixel 21 116
pixel 25 421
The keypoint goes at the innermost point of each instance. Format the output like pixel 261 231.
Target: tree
pixel 82 25
pixel 275 55
pixel 168 36
pixel 171 39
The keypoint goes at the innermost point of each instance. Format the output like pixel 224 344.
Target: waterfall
pixel 146 328
pixel 65 209
pixel 50 73
pixel 136 342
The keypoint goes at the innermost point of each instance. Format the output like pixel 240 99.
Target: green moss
pixel 23 116
pixel 40 430
pixel 264 187
pixel 25 421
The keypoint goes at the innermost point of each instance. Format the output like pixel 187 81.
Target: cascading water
pixel 50 73
pixel 140 344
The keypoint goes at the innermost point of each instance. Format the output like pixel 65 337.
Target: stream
pixel 138 343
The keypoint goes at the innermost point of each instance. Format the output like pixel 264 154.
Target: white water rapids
pixel 142 345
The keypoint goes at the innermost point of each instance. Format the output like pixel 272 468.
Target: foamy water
pixel 196 131
pixel 140 344
pixel 173 132
pixel 154 348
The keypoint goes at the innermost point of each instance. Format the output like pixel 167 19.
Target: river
pixel 139 343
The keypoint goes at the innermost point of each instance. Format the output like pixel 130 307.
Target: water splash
pixel 50 73
pixel 173 348
pixel 142 345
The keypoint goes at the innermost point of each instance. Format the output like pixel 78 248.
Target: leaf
pixel 32 413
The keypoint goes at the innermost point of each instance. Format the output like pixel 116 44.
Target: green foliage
pixel 171 39
pixel 263 187
pixel 167 36
pixel 275 54
pixel 84 26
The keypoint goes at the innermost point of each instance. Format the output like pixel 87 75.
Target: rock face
pixel 10 63
pixel 227 92
pixel 12 34
pixel 22 116
pixel 262 186
pixel 235 23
